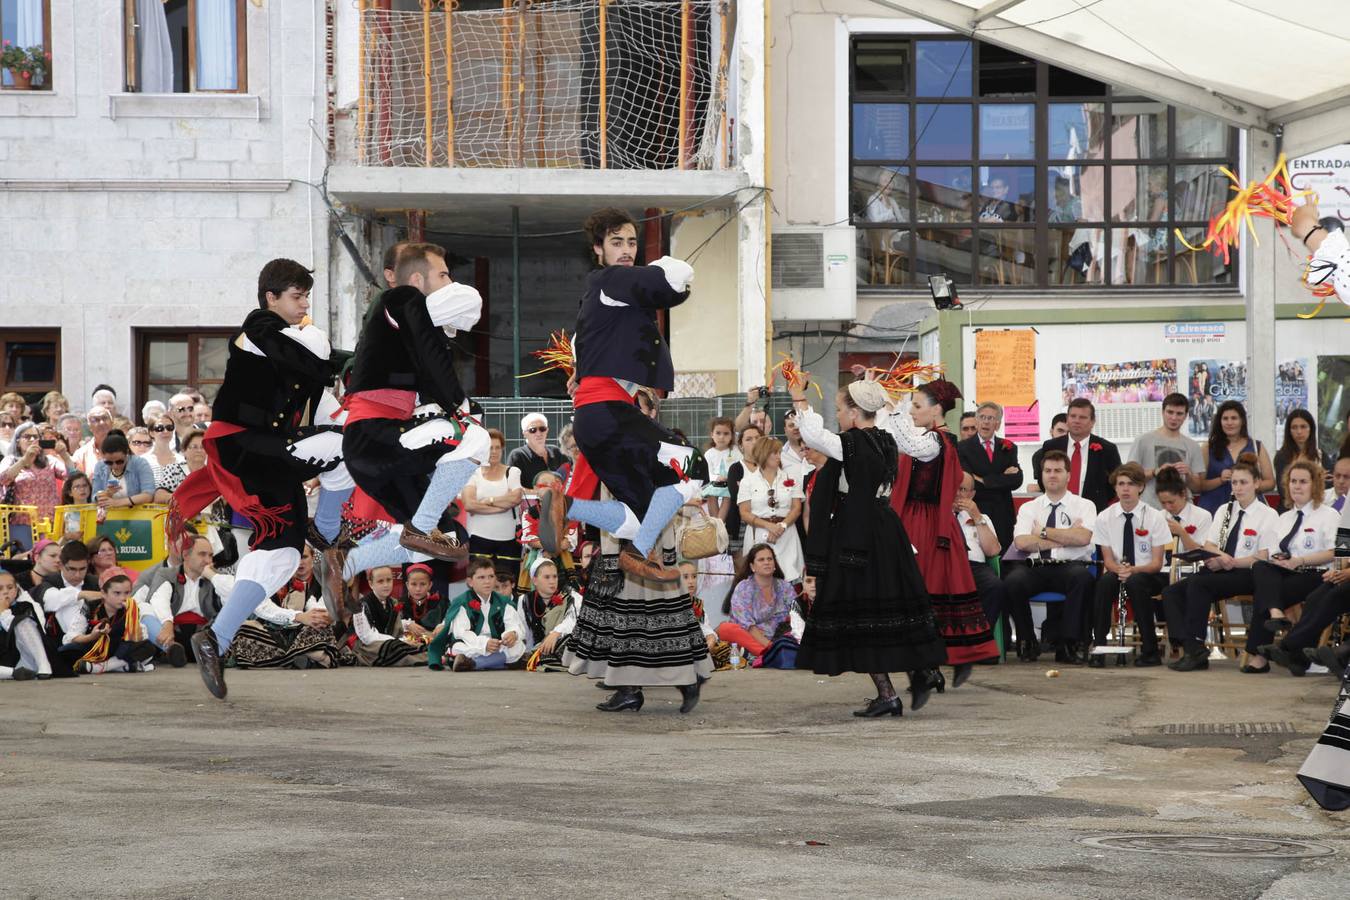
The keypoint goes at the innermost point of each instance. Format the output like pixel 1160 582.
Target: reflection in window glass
pixel 1199 193
pixel 881 65
pixel 1139 193
pixel 1007 131
pixel 944 131
pixel 879 194
pixel 168 360
pixel 1200 135
pixel 943 194
pixel 212 354
pixel 883 256
pixel 942 252
pixel 1004 73
pixel 1077 193
pixel 1139 256
pixel 942 68
pixel 1076 130
pixel 1199 267
pixel 30 362
pixel 1076 256
pixel 1007 194
pixel 880 130
pixel 1007 256
pixel 1138 130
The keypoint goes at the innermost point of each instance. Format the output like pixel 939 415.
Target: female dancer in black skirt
pixel 871 612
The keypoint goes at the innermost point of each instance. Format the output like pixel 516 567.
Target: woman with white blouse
pixel 1243 533
pixel 1307 543
pixel 770 504
pixel 490 498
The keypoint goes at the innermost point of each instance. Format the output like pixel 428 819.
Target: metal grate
pixel 1210 845
pixel 1240 729
pixel 798 260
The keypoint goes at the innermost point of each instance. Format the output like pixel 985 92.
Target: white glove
pixel 314 340
pixel 455 307
pixel 679 274
pixel 325 447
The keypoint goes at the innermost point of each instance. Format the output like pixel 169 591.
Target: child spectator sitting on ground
pixel 549 613
pixel 421 604
pixel 385 639
pixel 292 628
pixel 483 624
pixel 720 649
pixel 760 604
pixel 23 653
pixel 106 637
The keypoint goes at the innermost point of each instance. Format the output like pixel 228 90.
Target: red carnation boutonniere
pixel 1249 532
pixel 790 482
pixel 1006 445
pixel 1142 532
pixel 1190 529
pixel 1309 530
pixel 182 579
pixel 1095 447
pixel 475 604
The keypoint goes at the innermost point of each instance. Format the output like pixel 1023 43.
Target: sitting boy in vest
pixel 176 601
pixel 484 625
pixel 105 637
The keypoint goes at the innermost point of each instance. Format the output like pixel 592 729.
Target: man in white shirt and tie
pixel 981 543
pixel 1055 532
pixel 1133 538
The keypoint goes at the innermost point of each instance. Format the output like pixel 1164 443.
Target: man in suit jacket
pixel 993 463
pixel 1092 459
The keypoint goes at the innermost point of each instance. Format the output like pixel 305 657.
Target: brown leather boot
pixel 435 543
pixel 553 507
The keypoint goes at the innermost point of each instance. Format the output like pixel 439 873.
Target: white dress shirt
pixel 474 643
pixel 160 603
pixel 971 529
pixel 1317 531
pixel 1110 531
pixel 1073 510
pixel 1259 523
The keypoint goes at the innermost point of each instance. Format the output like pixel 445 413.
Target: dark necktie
pixel 1230 545
pixel 1049 523
pixel 1289 538
pixel 1127 547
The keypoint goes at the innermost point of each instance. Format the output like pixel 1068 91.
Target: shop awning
pixel 1256 63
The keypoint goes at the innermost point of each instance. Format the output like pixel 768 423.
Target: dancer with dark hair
pixel 871 613
pixel 620 351
pixel 277 369
pixel 412 461
pixel 925 488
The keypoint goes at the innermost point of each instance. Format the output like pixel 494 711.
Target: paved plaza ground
pixel 410 783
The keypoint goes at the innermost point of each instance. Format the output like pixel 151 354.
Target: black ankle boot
pixel 690 694
pixel 876 707
pixel 621 699
pixel 921 687
pixel 961 674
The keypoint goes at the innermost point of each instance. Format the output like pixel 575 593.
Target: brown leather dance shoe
pixel 435 543
pixel 639 566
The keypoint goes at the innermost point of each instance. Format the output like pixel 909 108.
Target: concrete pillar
pixel 752 221
pixel 1258 261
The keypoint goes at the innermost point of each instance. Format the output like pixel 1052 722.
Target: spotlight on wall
pixel 944 292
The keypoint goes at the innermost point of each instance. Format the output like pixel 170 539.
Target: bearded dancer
pixel 398 453
pixel 274 377
pixel 620 349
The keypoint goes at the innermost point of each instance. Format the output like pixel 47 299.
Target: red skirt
pixel 941 550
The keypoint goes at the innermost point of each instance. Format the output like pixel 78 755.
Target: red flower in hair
pixel 475 604
pixel 1095 447
pixel 1142 532
pixel 1190 529
pixel 1249 532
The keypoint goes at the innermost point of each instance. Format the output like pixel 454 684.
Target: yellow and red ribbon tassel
pixel 559 355
pixel 794 375
pixel 899 377
pixel 1271 198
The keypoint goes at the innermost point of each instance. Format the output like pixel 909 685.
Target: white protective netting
pixel 526 89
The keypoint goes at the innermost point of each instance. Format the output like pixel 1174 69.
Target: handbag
pixel 703 537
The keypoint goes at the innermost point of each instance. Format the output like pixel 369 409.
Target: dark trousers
pixel 1140 587
pixel 1072 579
pixel 1275 588
pixel 1324 605
pixel 993 596
pixel 1187 603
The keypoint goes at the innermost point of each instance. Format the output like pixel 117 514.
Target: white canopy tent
pixel 1280 70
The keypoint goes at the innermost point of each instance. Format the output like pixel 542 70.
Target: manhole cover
pixel 1210 845
pixel 1237 728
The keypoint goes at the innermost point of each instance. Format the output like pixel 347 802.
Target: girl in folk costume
pixel 545 610
pixel 484 625
pixel 421 603
pixel 383 637
pixel 718 649
pixel 23 653
pixel 871 613
pixel 925 488
pixel 292 628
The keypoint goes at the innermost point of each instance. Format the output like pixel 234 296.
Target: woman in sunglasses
pixel 27 476
pixel 167 463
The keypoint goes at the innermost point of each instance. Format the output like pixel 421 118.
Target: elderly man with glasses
pixel 536 456
pixel 90 452
pixel 181 408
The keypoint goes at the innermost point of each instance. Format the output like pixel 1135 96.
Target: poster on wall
pixel 1333 403
pixel 1005 366
pixel 1291 390
pixel 1210 382
pixel 1109 384
pixel 1327 174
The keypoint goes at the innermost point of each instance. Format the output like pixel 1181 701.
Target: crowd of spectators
pixel 1173 528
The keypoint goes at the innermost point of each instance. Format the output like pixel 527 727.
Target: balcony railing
pixel 581 84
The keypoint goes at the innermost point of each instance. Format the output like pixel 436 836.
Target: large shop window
pixel 185 46
pixel 172 361
pixel 32 362
pixel 27 24
pixel 1005 172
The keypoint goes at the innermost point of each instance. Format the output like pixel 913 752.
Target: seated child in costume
pixel 531 549
pixel 422 604
pixel 105 636
pixel 23 653
pixel 484 626
pixel 549 613
pixel 720 649
pixel 383 637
